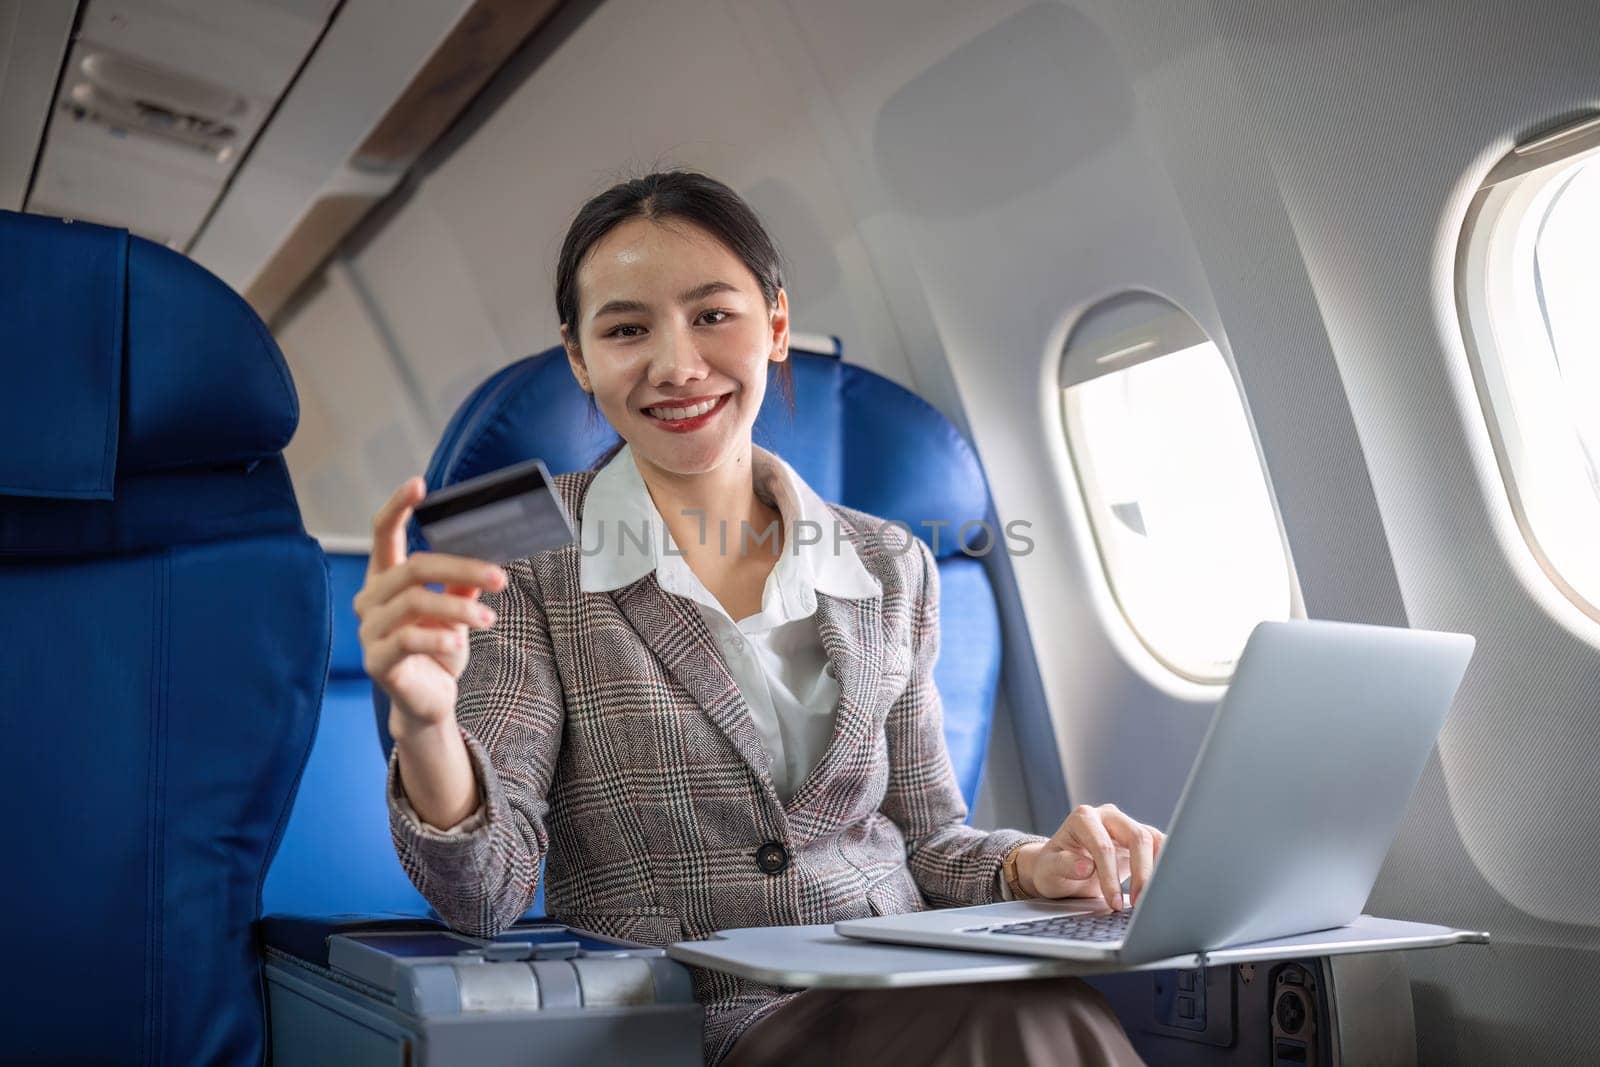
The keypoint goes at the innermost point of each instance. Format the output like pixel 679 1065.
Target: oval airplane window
pixel 1176 495
pixel 1527 272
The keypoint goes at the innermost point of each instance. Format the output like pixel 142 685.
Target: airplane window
pixel 1527 278
pixel 1174 487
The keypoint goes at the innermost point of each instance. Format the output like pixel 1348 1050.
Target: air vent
pixel 123 94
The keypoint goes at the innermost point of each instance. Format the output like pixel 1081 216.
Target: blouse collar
pixel 623 538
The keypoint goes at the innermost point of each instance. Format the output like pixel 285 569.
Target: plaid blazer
pixel 609 739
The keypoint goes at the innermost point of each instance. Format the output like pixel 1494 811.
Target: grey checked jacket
pixel 610 740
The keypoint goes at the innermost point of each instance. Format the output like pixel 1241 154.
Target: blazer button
pixel 772 858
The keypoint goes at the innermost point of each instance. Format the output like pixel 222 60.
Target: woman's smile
pixel 687 416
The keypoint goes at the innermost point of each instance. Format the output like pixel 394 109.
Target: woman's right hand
pixel 414 640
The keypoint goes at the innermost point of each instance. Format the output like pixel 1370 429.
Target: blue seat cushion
pixel 153 788
pixel 336 856
pixel 968 670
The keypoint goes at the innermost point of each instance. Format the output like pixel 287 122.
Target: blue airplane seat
pixel 856 437
pixel 165 624
pixel 337 857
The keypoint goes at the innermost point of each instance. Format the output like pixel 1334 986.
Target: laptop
pixel 1289 809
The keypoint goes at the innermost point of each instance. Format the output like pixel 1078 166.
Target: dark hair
pixel 673 194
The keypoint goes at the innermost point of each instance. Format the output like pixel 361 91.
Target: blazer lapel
pixel 672 628
pixel 860 661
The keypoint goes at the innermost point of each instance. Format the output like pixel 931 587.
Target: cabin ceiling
pixel 156 103
pixel 251 134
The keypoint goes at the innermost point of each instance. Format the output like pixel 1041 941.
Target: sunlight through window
pixel 1176 495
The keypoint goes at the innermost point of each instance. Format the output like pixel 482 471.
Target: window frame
pixel 1503 199
pixel 1144 326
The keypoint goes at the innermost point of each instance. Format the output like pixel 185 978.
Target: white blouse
pixel 776 655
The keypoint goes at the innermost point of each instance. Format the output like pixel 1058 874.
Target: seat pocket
pixel 895 893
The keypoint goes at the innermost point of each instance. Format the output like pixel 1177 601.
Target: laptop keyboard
pixel 1071 927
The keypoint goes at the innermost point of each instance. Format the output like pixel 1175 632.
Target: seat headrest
pixel 143 404
pixel 123 357
pixel 856 437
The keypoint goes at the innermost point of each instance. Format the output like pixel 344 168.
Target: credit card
pixel 507 514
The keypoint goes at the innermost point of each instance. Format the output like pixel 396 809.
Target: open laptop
pixel 1290 807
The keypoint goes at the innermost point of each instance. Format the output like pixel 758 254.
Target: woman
pixel 716 724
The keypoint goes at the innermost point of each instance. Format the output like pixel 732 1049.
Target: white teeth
pixel 674 414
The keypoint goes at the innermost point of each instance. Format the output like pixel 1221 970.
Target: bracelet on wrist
pixel 1013 875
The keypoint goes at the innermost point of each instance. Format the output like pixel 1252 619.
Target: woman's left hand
pixel 1090 855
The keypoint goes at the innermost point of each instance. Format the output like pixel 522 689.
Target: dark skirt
pixel 1057 1021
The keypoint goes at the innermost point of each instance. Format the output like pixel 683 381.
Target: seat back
pixel 856 437
pixel 337 856
pixel 164 620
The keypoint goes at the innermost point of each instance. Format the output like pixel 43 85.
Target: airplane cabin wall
pixel 1377 158
pixel 460 277
pixel 952 182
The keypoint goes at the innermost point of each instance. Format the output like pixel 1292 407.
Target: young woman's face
pixel 674 339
